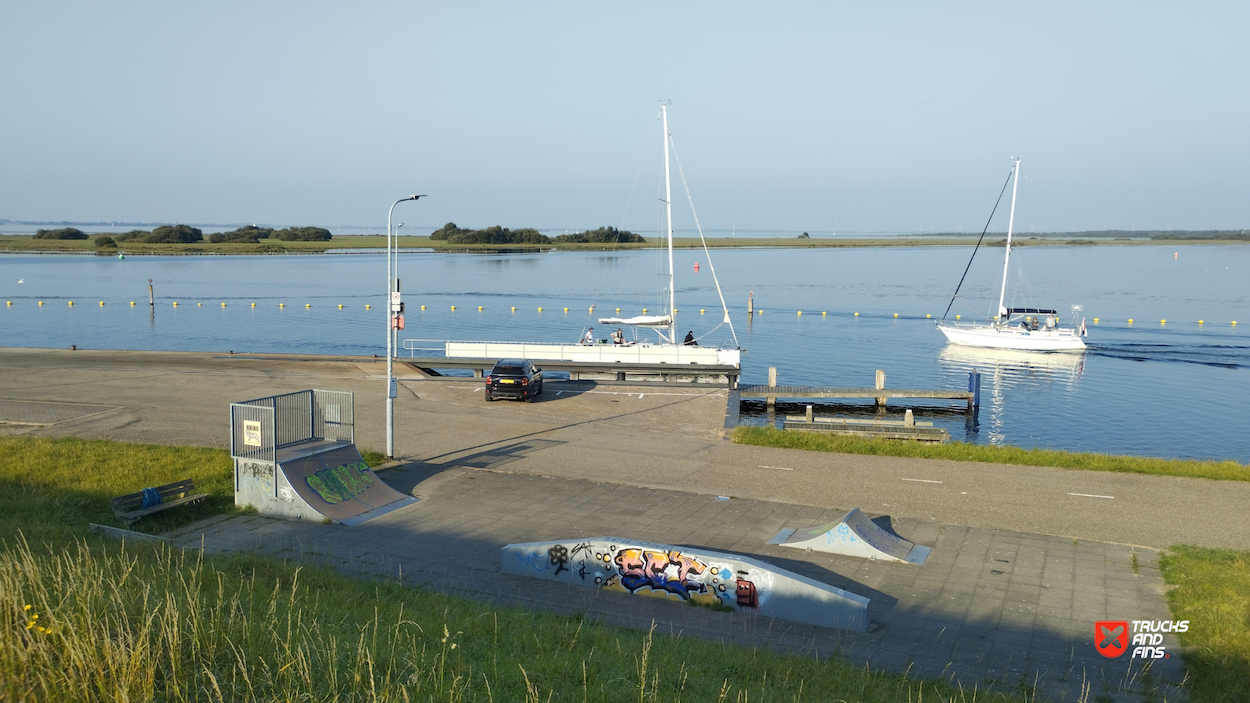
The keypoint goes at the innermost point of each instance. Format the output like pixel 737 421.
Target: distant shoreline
pixel 27 244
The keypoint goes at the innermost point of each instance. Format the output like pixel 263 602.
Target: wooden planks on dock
pixel 762 391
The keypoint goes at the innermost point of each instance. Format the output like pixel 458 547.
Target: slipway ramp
pixel 295 456
pixel 854 535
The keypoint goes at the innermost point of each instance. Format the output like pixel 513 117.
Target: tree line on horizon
pixel 452 234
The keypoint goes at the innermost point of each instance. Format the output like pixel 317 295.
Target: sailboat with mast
pixel 1017 328
pixel 666 349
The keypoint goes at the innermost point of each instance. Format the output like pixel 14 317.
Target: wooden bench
pixel 129 508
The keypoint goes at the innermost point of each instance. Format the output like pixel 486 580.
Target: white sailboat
pixel 1017 328
pixel 665 350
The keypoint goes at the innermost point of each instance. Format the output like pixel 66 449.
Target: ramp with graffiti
pixel 315 482
pixel 695 576
pixel 854 535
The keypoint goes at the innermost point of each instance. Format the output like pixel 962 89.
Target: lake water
pixel 1178 389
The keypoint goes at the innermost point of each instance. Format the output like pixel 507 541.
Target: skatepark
pixel 1020 563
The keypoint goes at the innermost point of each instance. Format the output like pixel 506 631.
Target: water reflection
pixel 1009 376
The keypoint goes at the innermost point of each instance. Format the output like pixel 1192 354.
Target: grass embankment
pixel 961 451
pixel 142 622
pixel 1212 592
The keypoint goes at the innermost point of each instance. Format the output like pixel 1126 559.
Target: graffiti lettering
pixel 584 546
pixel 559 556
pixel 340 483
pixel 644 567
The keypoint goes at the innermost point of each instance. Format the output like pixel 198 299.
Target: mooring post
pixel 151 300
pixel 771 400
pixel 751 303
pixel 881 399
pixel 909 420
pixel 974 387
pixel 809 414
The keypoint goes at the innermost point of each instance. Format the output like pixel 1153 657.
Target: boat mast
pixel 668 220
pixel 1002 296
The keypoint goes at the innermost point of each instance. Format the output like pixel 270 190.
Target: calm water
pixel 1175 389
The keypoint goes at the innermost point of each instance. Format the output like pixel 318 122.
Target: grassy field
pixel 92 619
pixel 1212 591
pixel 960 451
pixel 27 243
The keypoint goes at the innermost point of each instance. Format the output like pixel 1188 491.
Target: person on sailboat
pixel 689 341
pixel 589 340
pixel 1050 322
pixel 618 337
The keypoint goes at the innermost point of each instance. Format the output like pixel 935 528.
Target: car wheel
pixel 488 397
pixel 529 398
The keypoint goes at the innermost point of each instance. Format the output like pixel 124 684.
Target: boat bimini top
pixel 640 321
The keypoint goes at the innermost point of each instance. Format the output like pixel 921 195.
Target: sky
pixel 825 117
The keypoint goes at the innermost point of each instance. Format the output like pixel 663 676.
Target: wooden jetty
pixel 907 428
pixel 717 375
pixel 773 391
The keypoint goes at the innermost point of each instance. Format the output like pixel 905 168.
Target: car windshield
pixel 508 371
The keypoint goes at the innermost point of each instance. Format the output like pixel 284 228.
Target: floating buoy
pixel 566 309
pixel 223 305
pixel 175 303
pixel 1200 322
pixel 340 305
pixel 1163 322
pixel 132 303
pixel 856 314
pixel 41 303
pixel 121 256
pixel 896 314
pixel 540 309
pixel 824 312
pixel 254 305
pixel 453 308
pixel 644 311
pixel 618 309
pixel 1234 321
pixel 1130 320
pixel 479 308
pixel 959 316
pixel 1176 255
pixel 307 305
pixel 422 307
pixel 101 303
pixel 1095 320
pixel 927 316
pixel 367 306
pixel 513 308
pixel 761 312
pixel 592 308
pixel 696 267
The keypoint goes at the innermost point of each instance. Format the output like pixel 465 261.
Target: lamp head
pixel 416 197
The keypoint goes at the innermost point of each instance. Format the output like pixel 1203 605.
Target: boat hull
pixel 992 337
pixel 596 353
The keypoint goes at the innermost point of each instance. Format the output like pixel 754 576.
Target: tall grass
pixel 961 451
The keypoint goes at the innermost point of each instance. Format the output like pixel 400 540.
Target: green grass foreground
pixel 92 619
pixel 962 451
pixel 1212 592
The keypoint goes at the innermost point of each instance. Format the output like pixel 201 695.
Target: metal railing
pixel 260 427
pixel 640 352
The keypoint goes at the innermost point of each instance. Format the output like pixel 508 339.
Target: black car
pixel 514 378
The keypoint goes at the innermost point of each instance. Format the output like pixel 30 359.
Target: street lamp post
pixel 392 309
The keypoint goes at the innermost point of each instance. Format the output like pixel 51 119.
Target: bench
pixel 129 508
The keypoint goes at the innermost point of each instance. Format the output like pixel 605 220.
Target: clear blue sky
pixel 796 116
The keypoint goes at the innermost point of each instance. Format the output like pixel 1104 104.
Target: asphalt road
pixel 651 437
